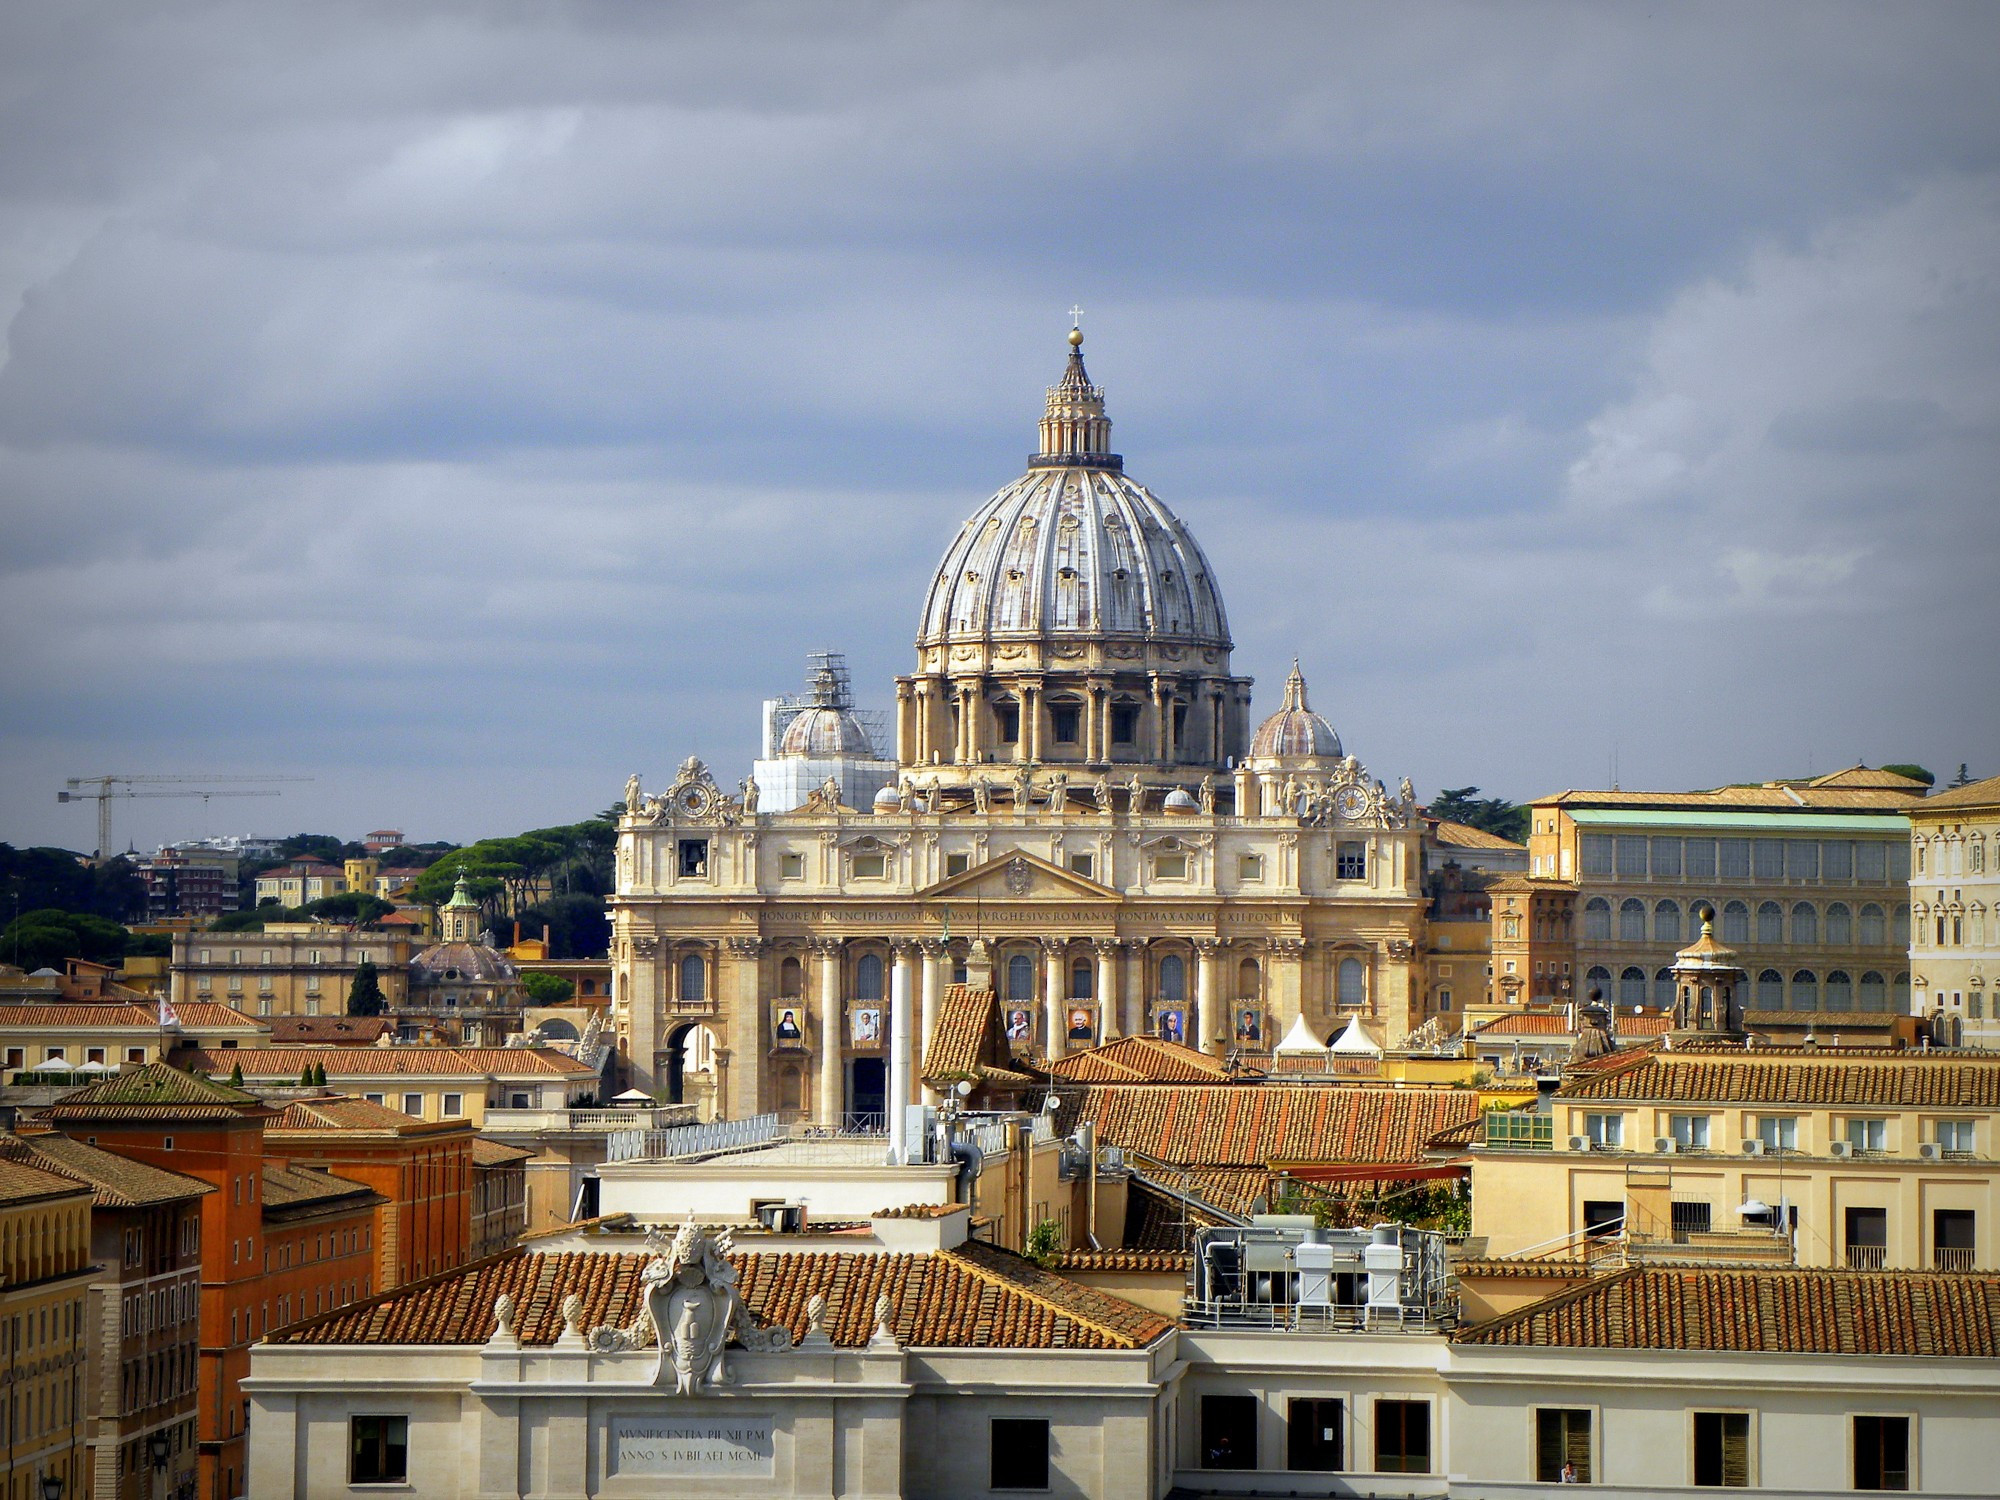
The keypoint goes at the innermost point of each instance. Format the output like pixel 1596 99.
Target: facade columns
pixel 741 980
pixel 1160 727
pixel 937 953
pixel 1031 720
pixel 906 725
pixel 1207 995
pixel 832 1090
pixel 638 999
pixel 1052 996
pixel 1284 984
pixel 1135 989
pixel 904 953
pixel 1107 989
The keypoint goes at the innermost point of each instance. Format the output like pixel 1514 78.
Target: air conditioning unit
pixel 1113 1158
pixel 1753 1148
pixel 1665 1145
pixel 1840 1149
pixel 1930 1151
pixel 1579 1143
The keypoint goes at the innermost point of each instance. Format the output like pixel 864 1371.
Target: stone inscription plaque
pixel 693 1447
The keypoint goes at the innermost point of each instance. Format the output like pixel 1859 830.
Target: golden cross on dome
pixel 1076 317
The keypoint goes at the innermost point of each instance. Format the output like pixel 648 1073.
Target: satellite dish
pixel 963 1087
pixel 1051 1104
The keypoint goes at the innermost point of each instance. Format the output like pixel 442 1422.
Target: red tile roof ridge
pixel 992 1265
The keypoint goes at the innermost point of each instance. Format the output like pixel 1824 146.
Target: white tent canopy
pixel 1301 1038
pixel 1354 1041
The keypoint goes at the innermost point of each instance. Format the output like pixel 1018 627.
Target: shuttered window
pixel 1403 1437
pixel 1722 1448
pixel 1562 1436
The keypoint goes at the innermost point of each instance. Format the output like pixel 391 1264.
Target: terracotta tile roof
pixel 1465 836
pixel 21 1183
pixel 1157 1221
pixel 206 1015
pixel 491 1153
pixel 156 1091
pixel 1174 1261
pixel 119 1182
pixel 969 1040
pixel 1528 885
pixel 1770 797
pixel 1977 794
pixel 973 1296
pixel 1903 1080
pixel 1656 1023
pixel 1255 1124
pixel 342 1112
pixel 389 1062
pixel 1563 1268
pixel 307 1187
pixel 82 1015
pixel 327 1031
pixel 1138 1059
pixel 1940 1314
pixel 1237 1191
pixel 918 1211
pixel 1527 1023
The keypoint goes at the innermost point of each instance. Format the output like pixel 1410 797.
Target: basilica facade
pixel 1083 817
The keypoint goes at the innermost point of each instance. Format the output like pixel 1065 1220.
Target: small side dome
pixel 1295 732
pixel 826 733
pixel 1178 801
pixel 888 800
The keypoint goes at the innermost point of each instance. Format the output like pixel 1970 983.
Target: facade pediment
pixel 1019 876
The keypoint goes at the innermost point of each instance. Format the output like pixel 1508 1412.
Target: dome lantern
pixel 1075 430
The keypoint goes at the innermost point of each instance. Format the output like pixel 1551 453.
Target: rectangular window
pixel 1124 723
pixel 1871 861
pixel 1732 861
pixel 1690 1218
pixel 1881 1453
pixel 1700 861
pixel 1690 1132
pixel 1019 1449
pixel 1603 1217
pixel 1606 1132
pixel 17 1057
pixel 1778 1132
pixel 1250 868
pixel 454 1106
pixel 1562 1445
pixel 869 866
pixel 413 1104
pixel 1064 720
pixel 1007 722
pixel 1722 1448
pixel 1899 863
pixel 1867 1238
pixel 1351 861
pixel 1801 859
pixel 1953 1231
pixel 1666 859
pixel 1631 856
pixel 1170 866
pixel 1229 1432
pixel 379 1450
pixel 373 1098
pixel 1769 861
pixel 1403 1437
pixel 1595 853
pixel 1868 1135
pixel 1315 1430
pixel 1836 859
pixel 1955 1136
pixel 791 867
pixel 1084 865
pixel 957 864
pixel 693 858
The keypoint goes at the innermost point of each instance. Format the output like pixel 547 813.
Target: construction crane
pixel 104 789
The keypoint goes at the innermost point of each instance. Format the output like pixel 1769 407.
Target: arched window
pixel 1805 923
pixel 1631 920
pixel 1874 927
pixel 791 979
pixel 1663 988
pixel 1770 923
pixel 1353 982
pixel 1020 977
pixel 694 980
pixel 1839 925
pixel 1248 986
pixel 1597 920
pixel 1666 922
pixel 1736 922
pixel 1805 990
pixel 1173 978
pixel 1840 990
pixel 1874 991
pixel 868 977
pixel 1632 987
pixel 1770 990
pixel 1899 927
pixel 1080 979
pixel 1899 995
pixel 1599 979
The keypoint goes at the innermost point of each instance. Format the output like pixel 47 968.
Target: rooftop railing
pixel 694 1140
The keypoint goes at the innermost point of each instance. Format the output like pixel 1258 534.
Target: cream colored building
pixel 1955 913
pixel 1081 810
pixel 288 969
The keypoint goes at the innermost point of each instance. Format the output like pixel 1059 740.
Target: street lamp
pixel 52 1487
pixel 158 1448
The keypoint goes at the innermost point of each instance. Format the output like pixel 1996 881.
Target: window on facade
pixel 1953 1234
pixel 1663 988
pixel 1598 979
pixel 1350 861
pixel 957 864
pixel 868 977
pixel 1229 1432
pixel 1770 990
pixel 1597 920
pixel 1603 1217
pixel 1770 922
pixel 1021 977
pixel 1839 990
pixel 1955 1135
pixel 1594 853
pixel 1874 992
pixel 1124 723
pixel 1064 721
pixel 1690 1132
pixel 1605 1131
pixel 1666 922
pixel 1352 983
pixel 1631 921
pixel 1805 923
pixel 1666 859
pixel 379 1450
pixel 791 867
pixel 1562 1445
pixel 1732 859
pixel 1632 987
pixel 1881 1453
pixel 1871 861
pixel 1250 868
pixel 1018 1449
pixel 1007 721
pixel 1722 1448
pixel 1631 851
pixel 1899 927
pixel 868 866
pixel 1836 859
pixel 1315 1432
pixel 1699 860
pixel 1736 923
pixel 1805 990
pixel 1170 866
pixel 693 857
pixel 1868 1135
pixel 1444 1000
pixel 1801 859
pixel 413 1104
pixel 1768 859
pixel 454 1106
pixel 1403 1437
pixel 1778 1132
pixel 1084 865
pixel 1080 979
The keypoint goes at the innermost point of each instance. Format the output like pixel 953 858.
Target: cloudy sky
pixel 465 405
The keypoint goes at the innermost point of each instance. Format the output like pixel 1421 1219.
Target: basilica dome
pixel 1295 732
pixel 461 963
pixel 1074 549
pixel 823 732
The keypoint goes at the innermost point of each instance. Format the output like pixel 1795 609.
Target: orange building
pixel 421 1168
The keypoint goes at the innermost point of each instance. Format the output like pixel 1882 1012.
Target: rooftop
pixel 119 1181
pixel 1975 796
pixel 1862 1077
pixel 1255 1124
pixel 21 1183
pixel 156 1091
pixel 385 1062
pixel 1138 1059
pixel 308 1187
pixel 327 1031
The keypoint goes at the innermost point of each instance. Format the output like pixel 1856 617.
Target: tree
pixel 1492 814
pixel 357 907
pixel 1914 772
pixel 43 938
pixel 318 846
pixel 548 989
pixel 364 996
pixel 578 926
pixel 1964 776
